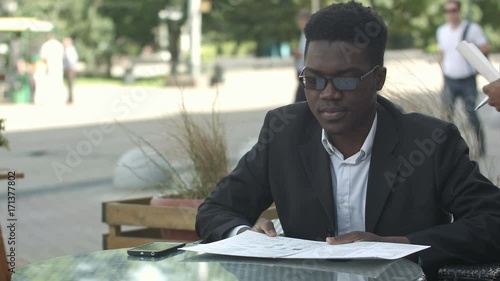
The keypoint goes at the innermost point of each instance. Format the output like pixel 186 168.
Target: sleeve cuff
pixel 234 231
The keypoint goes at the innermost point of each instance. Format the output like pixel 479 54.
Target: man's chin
pixel 335 129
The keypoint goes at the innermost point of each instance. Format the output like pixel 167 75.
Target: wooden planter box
pixel 138 212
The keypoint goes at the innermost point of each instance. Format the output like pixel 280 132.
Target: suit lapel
pixel 383 168
pixel 317 165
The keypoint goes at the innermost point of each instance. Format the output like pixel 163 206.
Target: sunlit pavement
pixel 59 209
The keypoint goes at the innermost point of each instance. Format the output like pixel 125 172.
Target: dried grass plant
pixel 430 103
pixel 3 141
pixel 206 147
pixel 203 145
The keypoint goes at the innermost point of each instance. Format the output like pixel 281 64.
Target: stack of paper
pixel 253 244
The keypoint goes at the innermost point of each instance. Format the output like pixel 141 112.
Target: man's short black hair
pixel 353 23
pixel 456 2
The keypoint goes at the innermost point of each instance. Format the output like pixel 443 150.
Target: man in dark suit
pixel 350 166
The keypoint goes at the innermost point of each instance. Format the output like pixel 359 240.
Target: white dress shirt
pixel 454 64
pixel 349 181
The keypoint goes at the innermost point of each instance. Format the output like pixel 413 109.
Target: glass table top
pixel 111 265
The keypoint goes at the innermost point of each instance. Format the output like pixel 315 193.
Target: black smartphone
pixel 148 258
pixel 155 249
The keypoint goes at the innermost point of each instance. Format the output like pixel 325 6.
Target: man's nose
pixel 330 92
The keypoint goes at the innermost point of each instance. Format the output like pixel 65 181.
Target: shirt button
pixel 342 201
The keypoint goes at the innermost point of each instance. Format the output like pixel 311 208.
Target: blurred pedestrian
pixel 69 62
pixel 15 53
pixel 298 54
pixel 493 91
pixel 459 75
pixel 52 53
pixel 50 86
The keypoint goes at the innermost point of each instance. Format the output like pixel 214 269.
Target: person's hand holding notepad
pixel 474 56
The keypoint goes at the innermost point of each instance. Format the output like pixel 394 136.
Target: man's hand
pixel 262 226
pixel 358 236
pixel 485 49
pixel 493 91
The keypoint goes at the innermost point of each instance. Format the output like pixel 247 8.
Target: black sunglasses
pixel 339 83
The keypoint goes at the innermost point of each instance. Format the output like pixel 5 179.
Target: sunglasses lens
pixel 345 83
pixel 314 83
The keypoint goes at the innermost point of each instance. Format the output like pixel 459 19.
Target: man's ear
pixel 381 74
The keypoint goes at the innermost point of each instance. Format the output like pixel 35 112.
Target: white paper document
pixel 253 244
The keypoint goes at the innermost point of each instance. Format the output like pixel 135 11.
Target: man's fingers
pixel 358 236
pixel 486 89
pixel 258 229
pixel 265 226
pixel 351 237
pixel 343 239
pixel 269 228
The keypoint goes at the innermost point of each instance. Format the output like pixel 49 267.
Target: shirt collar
pixel 366 148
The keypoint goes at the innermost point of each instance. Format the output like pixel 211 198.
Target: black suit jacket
pixel 420 180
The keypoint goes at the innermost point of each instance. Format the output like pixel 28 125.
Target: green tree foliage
pixel 134 21
pixel 486 13
pixel 78 19
pixel 406 19
pixel 137 20
pixel 410 23
pixel 265 22
pixel 105 27
pixel 413 23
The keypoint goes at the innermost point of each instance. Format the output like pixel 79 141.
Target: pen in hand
pixel 483 102
pixel 477 59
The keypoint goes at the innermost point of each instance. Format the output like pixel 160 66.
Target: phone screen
pixel 158 246
pixel 155 248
